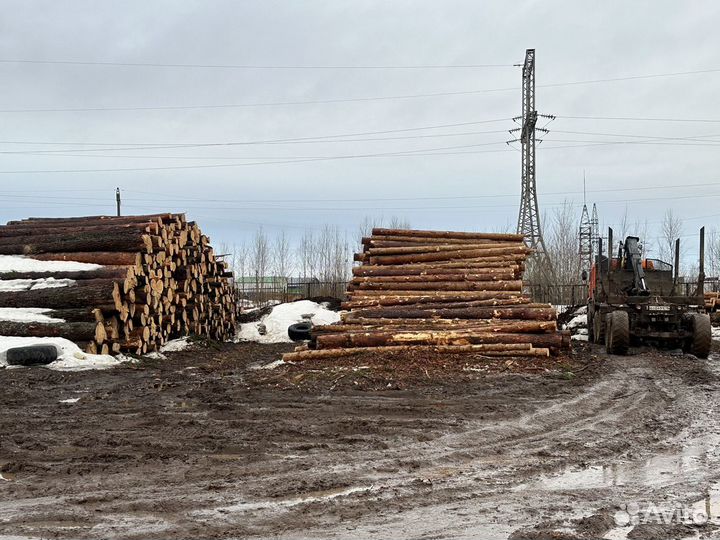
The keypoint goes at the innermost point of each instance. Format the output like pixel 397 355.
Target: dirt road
pixel 205 445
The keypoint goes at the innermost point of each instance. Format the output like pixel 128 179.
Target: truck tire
pixel 31 355
pixel 300 331
pixel 617 332
pixel 701 340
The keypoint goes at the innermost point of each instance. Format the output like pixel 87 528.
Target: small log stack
pixel 712 301
pixel 443 291
pixel 159 280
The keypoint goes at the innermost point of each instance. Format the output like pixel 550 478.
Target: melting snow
pixel 70 400
pixel 70 357
pixel 283 315
pixel 17 263
pixel 27 315
pixel 34 284
pixel 174 345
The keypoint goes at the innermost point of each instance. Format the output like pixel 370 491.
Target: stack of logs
pixel 159 280
pixel 712 301
pixel 439 290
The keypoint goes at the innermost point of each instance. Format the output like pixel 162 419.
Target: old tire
pixel 617 332
pixel 701 340
pixel 32 355
pixel 300 331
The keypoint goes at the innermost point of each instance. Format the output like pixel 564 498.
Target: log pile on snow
pixel 113 284
pixel 439 290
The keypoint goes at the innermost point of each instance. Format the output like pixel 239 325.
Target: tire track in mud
pixel 477 460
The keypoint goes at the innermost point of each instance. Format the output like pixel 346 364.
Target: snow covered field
pixel 283 315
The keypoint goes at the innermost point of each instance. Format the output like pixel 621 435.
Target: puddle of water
pixel 656 471
pixel 313 496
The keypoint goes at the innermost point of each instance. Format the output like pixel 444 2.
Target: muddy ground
pixel 205 445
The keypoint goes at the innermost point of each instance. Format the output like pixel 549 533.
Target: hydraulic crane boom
pixel 633 261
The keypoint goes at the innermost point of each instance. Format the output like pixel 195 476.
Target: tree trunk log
pixel 114 258
pixel 74 331
pixel 378 231
pixel 127 241
pixel 82 294
pixel 424 278
pixel 488 265
pixel 519 252
pixel 106 272
pixel 515 285
pixel 408 349
pixel 539 314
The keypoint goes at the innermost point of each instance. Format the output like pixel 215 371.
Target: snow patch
pixel 283 315
pixel 175 345
pixel 17 263
pixel 70 357
pixel 34 284
pixel 27 315
pixel 715 332
pixel 577 321
pixel 70 400
pixel 155 355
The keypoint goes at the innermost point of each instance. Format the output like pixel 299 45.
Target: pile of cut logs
pixel 439 290
pixel 712 301
pixel 158 279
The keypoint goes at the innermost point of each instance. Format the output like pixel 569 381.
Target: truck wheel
pixel 617 332
pixel 701 339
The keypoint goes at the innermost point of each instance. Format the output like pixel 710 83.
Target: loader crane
pixel 634 300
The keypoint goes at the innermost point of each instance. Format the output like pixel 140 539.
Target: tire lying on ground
pixel 617 332
pixel 31 355
pixel 300 331
pixel 701 341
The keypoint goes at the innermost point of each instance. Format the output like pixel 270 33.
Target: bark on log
pixel 151 227
pixel 399 241
pixel 437 248
pixel 539 314
pixel 450 256
pixel 432 302
pixel 436 337
pixel 460 295
pixel 484 326
pixel 74 331
pixel 106 272
pixel 312 354
pixel 88 242
pixel 113 258
pixel 486 265
pixel 378 231
pixel 71 221
pixel 515 285
pixel 448 276
pixel 82 294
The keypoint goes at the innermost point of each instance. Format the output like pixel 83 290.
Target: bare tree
pixel 281 256
pixel 670 230
pixel 368 223
pixel 307 260
pixel 259 256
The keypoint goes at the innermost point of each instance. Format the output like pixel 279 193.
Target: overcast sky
pixel 473 180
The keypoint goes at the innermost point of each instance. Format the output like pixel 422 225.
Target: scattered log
pixel 313 354
pixel 74 331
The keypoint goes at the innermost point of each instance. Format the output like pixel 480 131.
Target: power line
pixel 262 141
pixel 279 142
pixel 253 66
pixel 640 119
pixel 349 100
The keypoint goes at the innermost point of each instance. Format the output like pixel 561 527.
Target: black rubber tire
pixel 598 336
pixel 617 333
pixel 701 340
pixel 300 331
pixel 32 355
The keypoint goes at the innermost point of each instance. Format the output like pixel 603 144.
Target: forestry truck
pixel 632 300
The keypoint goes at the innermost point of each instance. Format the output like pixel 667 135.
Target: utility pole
pixel 529 216
pixel 117 200
pixel 585 237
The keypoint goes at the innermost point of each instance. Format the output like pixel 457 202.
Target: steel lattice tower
pixel 529 216
pixel 585 236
